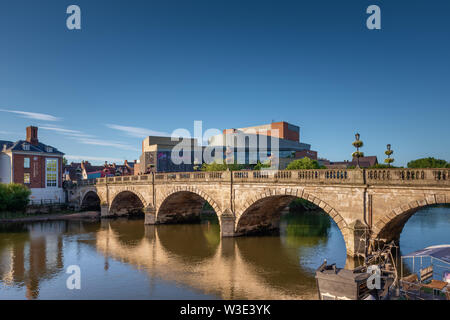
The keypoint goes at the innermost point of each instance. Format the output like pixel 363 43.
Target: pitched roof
pixel 372 160
pixel 5 142
pixel 40 147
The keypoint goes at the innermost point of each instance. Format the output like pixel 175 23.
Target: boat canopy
pixel 441 252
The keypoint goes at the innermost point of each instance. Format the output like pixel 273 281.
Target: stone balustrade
pixel 395 176
pixel 408 176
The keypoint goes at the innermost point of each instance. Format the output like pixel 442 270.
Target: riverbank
pixel 52 217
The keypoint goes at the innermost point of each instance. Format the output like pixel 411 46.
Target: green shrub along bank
pixel 14 197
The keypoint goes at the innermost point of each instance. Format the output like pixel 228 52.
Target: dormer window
pixel 26 147
pixel 49 149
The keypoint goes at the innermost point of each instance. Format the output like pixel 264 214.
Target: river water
pixel 123 259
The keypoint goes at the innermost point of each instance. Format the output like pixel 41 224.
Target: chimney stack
pixel 32 135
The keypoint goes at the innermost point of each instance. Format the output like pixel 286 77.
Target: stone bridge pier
pixel 366 205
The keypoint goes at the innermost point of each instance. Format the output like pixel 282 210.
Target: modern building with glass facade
pixel 278 142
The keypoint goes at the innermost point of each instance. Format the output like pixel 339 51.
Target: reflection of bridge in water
pixel 31 255
pixel 371 202
pixel 195 256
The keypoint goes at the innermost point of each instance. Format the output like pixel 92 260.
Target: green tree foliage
pixel 259 165
pixel 13 197
pixel 428 163
pixel 382 166
pixel 304 163
pixel 221 166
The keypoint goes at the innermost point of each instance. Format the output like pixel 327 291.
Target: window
pixel 51 170
pixel 49 149
pixel 26 162
pixel 26 178
pixel 26 147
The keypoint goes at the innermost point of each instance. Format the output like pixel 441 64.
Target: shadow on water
pixel 33 256
pixel 191 242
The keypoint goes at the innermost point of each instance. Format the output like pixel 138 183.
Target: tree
pixel 304 163
pixel 357 154
pixel 381 166
pixel 221 166
pixel 428 163
pixel 14 197
pixel 389 152
pixel 259 165
pixel 64 161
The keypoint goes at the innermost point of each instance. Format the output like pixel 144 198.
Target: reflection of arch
pixel 91 201
pixel 183 204
pixel 203 241
pixel 126 202
pixel 127 232
pixel 391 224
pixel 263 212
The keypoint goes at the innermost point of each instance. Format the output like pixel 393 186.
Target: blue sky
pixel 155 66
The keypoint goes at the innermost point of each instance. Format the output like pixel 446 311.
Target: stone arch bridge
pixel 365 204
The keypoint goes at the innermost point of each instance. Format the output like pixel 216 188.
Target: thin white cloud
pixel 72 157
pixel 137 132
pixel 33 115
pixel 106 143
pixel 69 132
pixel 84 138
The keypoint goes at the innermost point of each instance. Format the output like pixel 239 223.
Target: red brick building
pixel 281 130
pixel 33 164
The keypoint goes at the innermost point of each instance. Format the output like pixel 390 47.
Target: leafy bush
pixel 383 166
pixel 13 197
pixel 259 165
pixel 304 163
pixel 222 166
pixel 428 163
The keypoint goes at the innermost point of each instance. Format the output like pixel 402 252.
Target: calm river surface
pixel 123 259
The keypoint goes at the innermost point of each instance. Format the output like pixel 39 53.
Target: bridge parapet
pixel 335 176
pixel 86 182
pixel 394 176
pixel 417 177
pixel 214 176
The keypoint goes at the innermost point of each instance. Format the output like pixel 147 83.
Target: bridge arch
pixel 263 212
pixel 390 226
pixel 127 202
pixel 183 204
pixel 88 190
pixel 91 201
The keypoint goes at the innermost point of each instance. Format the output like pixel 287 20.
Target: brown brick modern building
pixel 34 164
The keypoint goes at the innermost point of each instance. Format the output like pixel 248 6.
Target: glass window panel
pixel 51 172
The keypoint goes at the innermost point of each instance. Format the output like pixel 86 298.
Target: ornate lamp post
pixel 357 144
pixel 389 152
